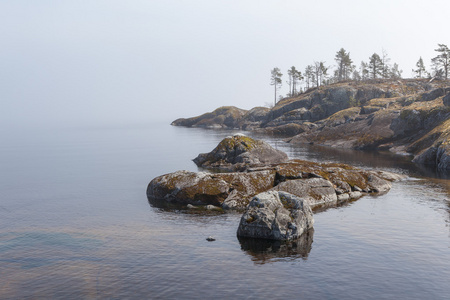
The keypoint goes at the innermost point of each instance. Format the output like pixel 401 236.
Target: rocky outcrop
pixel 437 147
pixel 238 152
pixel 319 184
pixel 223 117
pixel 376 114
pixel 446 100
pixel 276 215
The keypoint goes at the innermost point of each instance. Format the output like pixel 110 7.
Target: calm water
pixel 75 223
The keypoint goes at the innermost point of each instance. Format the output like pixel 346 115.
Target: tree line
pixel 378 66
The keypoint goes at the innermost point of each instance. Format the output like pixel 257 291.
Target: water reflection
pixel 263 251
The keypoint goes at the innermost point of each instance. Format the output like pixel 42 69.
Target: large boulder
pixel 277 216
pixel 228 190
pixel 238 152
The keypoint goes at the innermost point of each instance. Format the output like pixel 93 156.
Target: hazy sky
pixel 73 62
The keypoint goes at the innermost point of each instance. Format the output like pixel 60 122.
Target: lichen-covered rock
pixel 277 216
pixel 316 191
pixel 238 152
pixel 228 190
pixel 184 187
pixel 320 184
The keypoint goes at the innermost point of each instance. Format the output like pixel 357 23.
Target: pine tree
pixel 375 65
pixel 294 77
pixel 275 80
pixel 441 62
pixel 420 71
pixel 344 65
pixel 309 75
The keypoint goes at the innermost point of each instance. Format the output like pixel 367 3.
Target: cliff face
pixel 407 116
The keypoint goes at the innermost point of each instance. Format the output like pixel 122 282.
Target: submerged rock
pixel 277 216
pixel 238 152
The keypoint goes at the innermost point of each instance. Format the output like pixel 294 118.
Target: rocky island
pixel 319 184
pixel 404 116
pixel 277 194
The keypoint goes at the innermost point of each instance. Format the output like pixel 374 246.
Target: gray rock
pixel 377 184
pixel 276 215
pixel 355 195
pixel 437 155
pixel 446 100
pixel 316 191
pixel 212 207
pixel 343 197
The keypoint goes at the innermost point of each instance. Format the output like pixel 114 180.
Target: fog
pixel 131 62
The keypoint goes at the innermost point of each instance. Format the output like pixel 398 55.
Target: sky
pixel 135 62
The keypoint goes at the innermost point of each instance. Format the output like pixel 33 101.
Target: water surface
pixel 75 223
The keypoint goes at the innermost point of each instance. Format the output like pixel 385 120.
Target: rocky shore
pixel 410 116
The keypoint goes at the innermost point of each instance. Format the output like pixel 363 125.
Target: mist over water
pixel 75 223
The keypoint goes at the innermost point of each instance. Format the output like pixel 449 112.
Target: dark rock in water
pixel 210 239
pixel 277 216
pixel 238 152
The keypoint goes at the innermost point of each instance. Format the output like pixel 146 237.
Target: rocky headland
pixel 406 116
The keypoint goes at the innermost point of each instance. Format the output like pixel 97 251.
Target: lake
pixel 75 223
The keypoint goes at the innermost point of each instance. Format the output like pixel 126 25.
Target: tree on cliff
pixel 309 75
pixel 344 65
pixel 364 71
pixel 441 62
pixel 275 80
pixel 385 66
pixel 420 71
pixel 395 72
pixel 320 72
pixel 294 77
pixel 375 65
